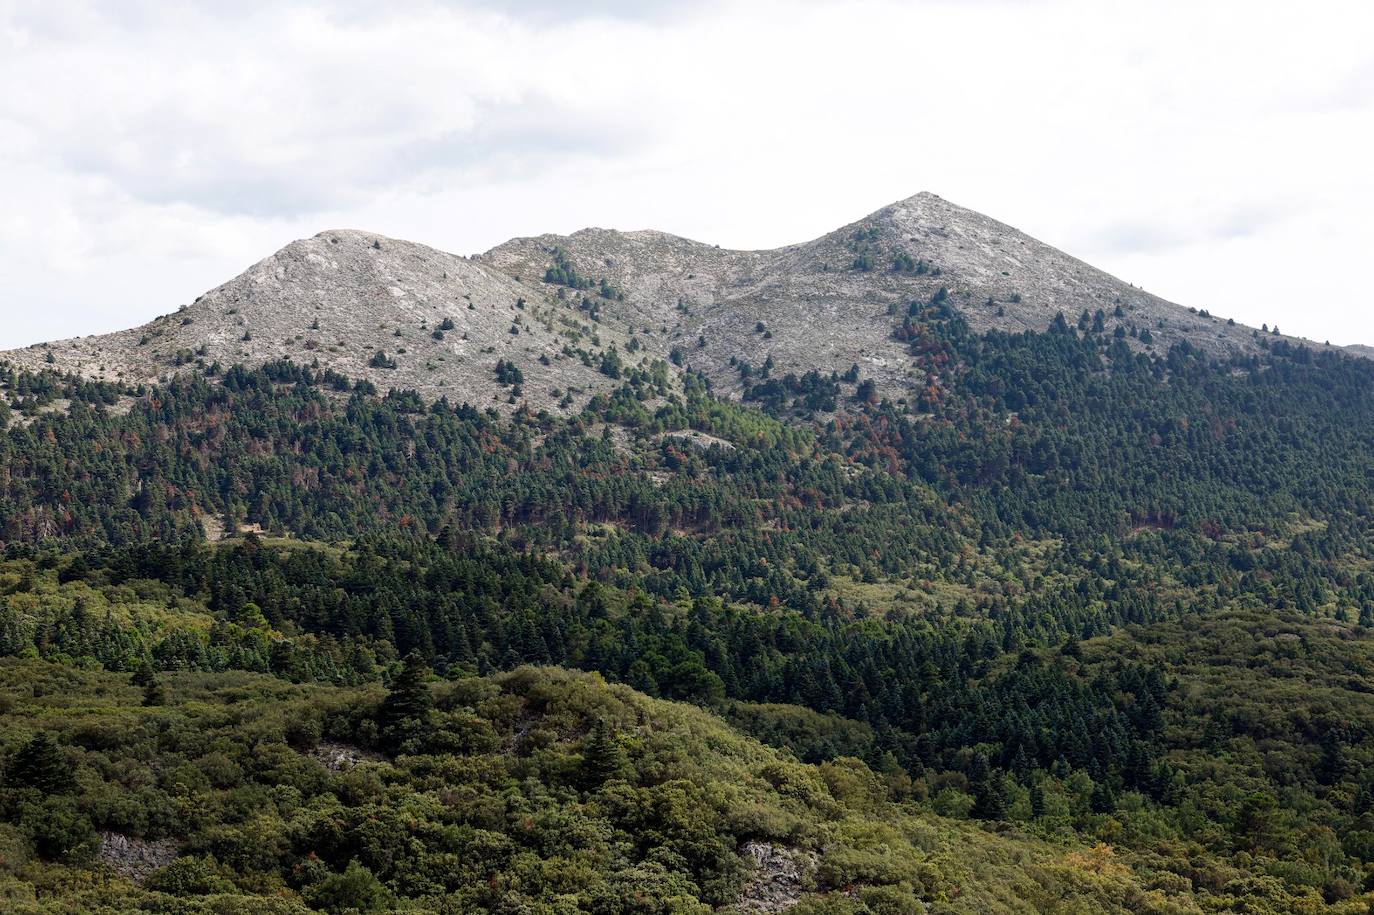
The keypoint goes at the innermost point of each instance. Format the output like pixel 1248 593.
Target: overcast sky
pixel 1215 153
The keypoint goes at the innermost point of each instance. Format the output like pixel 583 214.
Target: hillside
pixel 548 790
pixel 1075 619
pixel 538 825
pixel 443 322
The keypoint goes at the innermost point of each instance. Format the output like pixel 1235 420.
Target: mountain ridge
pixel 403 314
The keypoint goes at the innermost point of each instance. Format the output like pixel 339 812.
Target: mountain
pixel 806 585
pixel 828 303
pixel 554 306
pixel 342 297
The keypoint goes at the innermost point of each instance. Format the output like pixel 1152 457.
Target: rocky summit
pixel 565 310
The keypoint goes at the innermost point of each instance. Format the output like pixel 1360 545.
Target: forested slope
pixel 536 790
pixel 1076 628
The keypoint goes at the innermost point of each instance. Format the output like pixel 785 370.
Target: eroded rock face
pixel 135 858
pixel 779 879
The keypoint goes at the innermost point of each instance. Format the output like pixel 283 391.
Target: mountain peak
pixel 557 307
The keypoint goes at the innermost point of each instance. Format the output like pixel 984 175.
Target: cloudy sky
pixel 1216 153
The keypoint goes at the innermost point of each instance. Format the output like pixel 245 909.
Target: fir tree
pixel 602 760
pixel 407 704
pixel 154 693
pixel 40 764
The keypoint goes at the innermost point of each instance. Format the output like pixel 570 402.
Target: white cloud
pixel 1213 153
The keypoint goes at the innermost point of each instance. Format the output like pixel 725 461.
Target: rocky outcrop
pixel 336 756
pixel 135 858
pixel 779 877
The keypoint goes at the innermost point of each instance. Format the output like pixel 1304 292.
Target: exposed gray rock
pixel 778 879
pixel 337 756
pixel 700 440
pixel 342 296
pixel 819 310
pixel 135 858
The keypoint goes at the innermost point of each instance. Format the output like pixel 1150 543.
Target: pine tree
pixel 40 764
pixel 408 702
pixel 1103 798
pixel 143 674
pixel 154 693
pixel 992 799
pixel 602 760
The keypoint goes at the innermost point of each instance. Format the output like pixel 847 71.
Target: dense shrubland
pixel 536 790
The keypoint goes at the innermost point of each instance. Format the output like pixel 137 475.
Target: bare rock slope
pixel 400 314
pixel 830 303
pixel 441 323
